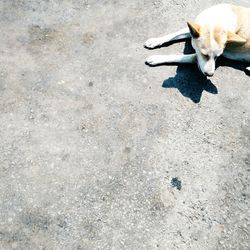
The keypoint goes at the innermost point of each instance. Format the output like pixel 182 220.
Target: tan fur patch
pixel 194 29
pixel 219 36
pixel 205 34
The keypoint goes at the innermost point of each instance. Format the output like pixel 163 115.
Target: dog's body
pixel 223 29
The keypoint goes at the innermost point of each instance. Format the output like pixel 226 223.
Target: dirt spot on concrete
pixel 247 162
pixel 40 36
pixel 90 84
pixel 88 39
pixel 84 244
pixel 175 182
pixel 127 150
pixel 36 220
pixel 8 237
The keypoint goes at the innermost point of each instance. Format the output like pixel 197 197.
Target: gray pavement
pixel 100 151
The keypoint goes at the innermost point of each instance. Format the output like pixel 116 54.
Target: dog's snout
pixel 209 74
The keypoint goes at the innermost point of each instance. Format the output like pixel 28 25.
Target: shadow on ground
pixel 191 82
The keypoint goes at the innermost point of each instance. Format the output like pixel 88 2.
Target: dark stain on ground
pixel 39 36
pixel 88 39
pixel 36 220
pixel 127 150
pixel 175 182
pixel 8 236
pixel 247 162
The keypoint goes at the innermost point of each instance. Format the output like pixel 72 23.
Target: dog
pixel 221 30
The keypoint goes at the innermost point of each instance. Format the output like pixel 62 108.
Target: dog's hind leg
pixel 168 59
pixel 156 42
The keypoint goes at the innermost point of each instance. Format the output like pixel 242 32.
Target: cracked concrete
pixel 99 151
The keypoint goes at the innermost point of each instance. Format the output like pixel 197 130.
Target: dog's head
pixel 209 43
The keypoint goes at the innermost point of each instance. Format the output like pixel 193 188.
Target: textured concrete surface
pixel 99 151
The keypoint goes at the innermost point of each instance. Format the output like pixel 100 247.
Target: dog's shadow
pixel 190 81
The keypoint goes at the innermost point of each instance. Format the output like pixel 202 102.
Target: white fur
pixel 160 59
pixel 155 42
pixel 220 14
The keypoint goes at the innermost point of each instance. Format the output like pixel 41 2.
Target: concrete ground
pixel 100 151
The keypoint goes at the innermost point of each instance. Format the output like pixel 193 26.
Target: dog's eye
pixel 206 56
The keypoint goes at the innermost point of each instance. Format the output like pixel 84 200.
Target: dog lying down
pixel 221 30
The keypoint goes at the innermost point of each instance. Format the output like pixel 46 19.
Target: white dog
pixel 223 29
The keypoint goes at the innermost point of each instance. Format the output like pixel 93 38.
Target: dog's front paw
pixel 152 43
pixel 248 69
pixel 153 60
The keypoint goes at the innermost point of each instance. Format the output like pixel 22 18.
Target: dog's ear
pixel 194 29
pixel 234 38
